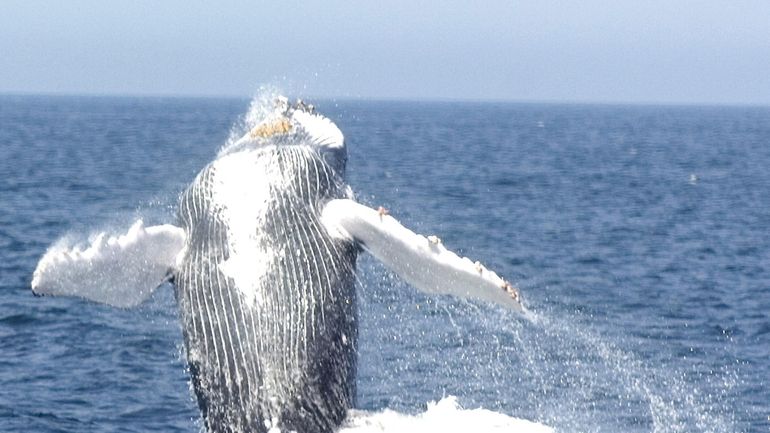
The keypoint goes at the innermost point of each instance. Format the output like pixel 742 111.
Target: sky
pixel 622 51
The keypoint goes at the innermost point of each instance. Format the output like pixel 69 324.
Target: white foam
pixel 444 416
pixel 116 269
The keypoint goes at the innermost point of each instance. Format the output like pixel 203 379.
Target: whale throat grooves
pixel 266 296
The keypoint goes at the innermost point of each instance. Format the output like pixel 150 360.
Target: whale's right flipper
pixel 120 270
pixel 423 262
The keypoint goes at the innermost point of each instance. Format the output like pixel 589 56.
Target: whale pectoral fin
pixel 118 270
pixel 423 262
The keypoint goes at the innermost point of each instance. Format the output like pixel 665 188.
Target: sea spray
pixel 588 382
pixel 558 370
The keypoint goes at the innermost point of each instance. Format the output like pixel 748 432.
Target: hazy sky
pixel 672 51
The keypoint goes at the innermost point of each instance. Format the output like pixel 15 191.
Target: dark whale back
pixel 266 296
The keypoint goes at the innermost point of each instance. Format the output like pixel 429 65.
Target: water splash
pixel 558 370
pixel 582 381
pixel 589 383
pixel 445 415
pixel 262 106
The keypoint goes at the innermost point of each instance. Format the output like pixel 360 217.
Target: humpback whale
pixel 263 261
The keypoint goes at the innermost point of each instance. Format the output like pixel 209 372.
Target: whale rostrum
pixel 263 260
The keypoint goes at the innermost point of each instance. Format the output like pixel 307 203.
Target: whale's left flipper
pixel 423 262
pixel 119 270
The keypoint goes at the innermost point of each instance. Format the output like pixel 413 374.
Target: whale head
pixel 295 124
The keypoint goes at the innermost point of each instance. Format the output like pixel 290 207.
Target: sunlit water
pixel 639 236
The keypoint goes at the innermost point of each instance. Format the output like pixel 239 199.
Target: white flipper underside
pixel 119 270
pixel 423 262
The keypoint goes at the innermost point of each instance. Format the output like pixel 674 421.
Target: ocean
pixel 638 235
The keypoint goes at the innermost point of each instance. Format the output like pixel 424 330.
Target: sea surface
pixel 639 235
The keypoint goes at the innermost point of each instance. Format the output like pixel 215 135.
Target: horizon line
pixel 327 98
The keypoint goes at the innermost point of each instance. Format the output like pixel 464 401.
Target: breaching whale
pixel 263 260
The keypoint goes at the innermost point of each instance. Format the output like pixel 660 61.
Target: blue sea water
pixel 638 234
